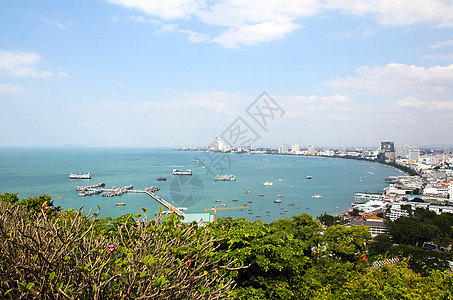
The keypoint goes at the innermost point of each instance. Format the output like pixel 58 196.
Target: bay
pixel 34 171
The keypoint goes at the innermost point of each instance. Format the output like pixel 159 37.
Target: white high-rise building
pixel 451 191
pixel 414 155
pixel 295 148
pixel 311 150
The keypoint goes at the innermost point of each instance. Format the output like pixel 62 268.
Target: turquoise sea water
pixel 34 171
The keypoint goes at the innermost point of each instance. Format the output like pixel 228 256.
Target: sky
pixel 163 73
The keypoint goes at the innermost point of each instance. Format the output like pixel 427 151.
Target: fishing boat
pixel 261 195
pixel 249 202
pixel 317 196
pixel 162 178
pixel 223 204
pixel 279 195
pixel 217 200
pixel 235 200
pixel 267 183
pixel 279 179
pixel 247 191
pixel 309 177
pixel 120 204
pixel 277 201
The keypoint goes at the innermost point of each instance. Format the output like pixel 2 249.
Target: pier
pixel 96 189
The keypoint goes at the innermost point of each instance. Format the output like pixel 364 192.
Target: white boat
pixel 278 201
pixel 309 177
pixel 182 172
pixel 317 196
pixel 80 176
pixel 225 178
pixel 267 183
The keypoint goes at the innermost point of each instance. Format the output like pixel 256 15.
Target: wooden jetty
pixel 92 190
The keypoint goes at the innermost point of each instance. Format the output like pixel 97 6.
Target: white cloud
pixel 254 34
pixel 9 88
pixel 141 19
pixel 312 106
pixel 255 21
pixel 20 63
pixel 171 9
pixel 425 105
pixel 441 44
pixel 399 78
pixel 440 56
pixel 195 37
pixel 398 13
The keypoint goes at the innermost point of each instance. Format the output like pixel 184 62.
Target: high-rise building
pixel 403 152
pixel 295 148
pixel 311 150
pixel 283 149
pixel 388 148
pixel 414 154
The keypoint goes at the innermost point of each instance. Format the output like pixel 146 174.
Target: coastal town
pixel 425 180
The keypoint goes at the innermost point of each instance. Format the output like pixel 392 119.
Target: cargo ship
pixel 182 172
pixel 225 178
pixel 80 176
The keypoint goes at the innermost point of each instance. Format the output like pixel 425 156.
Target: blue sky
pixel 137 72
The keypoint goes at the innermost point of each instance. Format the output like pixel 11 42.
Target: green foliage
pixel 48 255
pixel 346 243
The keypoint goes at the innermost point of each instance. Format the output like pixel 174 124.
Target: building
pixel 295 148
pixel 414 154
pixel 388 149
pixel 283 149
pixel 374 223
pixel 403 152
pixel 311 150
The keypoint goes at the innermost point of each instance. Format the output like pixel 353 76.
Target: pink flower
pixel 47 207
pixel 112 247
pixel 179 225
pixel 121 226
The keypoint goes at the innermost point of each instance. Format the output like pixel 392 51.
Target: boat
pixel 317 196
pixel 182 172
pixel 235 200
pixel 162 178
pixel 247 191
pixel 277 201
pixel 120 204
pixel 82 194
pixel 225 178
pixel 258 216
pixel 360 181
pixel 267 183
pixel 279 179
pixel 217 200
pixel 261 195
pixel 223 204
pixel 279 195
pixel 249 202
pixel 309 177
pixel 159 164
pixel 80 176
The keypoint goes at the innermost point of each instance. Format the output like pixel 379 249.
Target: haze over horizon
pixel 131 72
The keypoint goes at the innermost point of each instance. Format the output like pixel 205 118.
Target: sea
pixel 36 171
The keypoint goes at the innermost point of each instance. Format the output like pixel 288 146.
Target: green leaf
pixel 35 257
pixel 52 276
pixel 30 285
pixel 22 287
pixel 143 274
pixel 7 292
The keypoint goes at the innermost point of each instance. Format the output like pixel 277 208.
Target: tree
pixel 346 243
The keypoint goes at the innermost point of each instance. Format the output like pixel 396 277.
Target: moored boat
pixel 267 183
pixel 278 201
pixel 162 178
pixel 317 196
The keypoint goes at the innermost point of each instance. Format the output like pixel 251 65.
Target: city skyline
pixel 125 72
